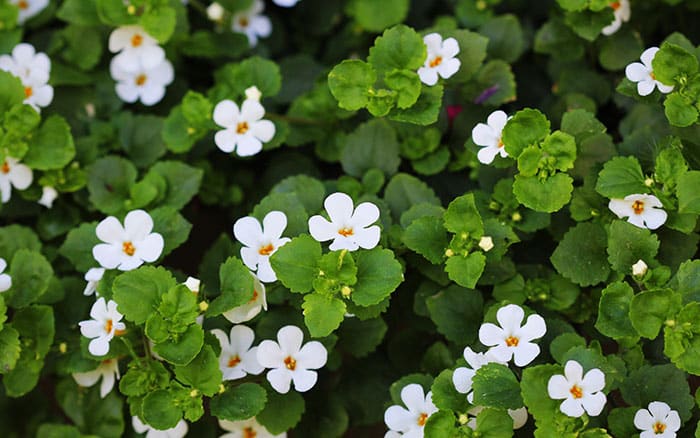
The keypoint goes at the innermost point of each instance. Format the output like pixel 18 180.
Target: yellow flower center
pixel 500 144
pixel 435 62
pixel 290 363
pixel 638 207
pixel 140 80
pixel 128 248
pixel 659 428
pixel 23 4
pixel 345 232
pixel 266 250
pixel 242 128
pixel 243 22
pixel 108 326
pixel 512 341
pixel 615 5
pixel 136 40
pixel 255 296
pixel 5 168
pixel 576 391
pixel 233 361
pixel 248 432
pixel 422 418
pixel 28 92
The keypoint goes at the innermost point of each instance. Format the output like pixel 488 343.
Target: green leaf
pixel 649 310
pixel 92 414
pixel 620 177
pixel 427 236
pixel 31 274
pixel 296 263
pixel 371 145
pixel 11 91
pixel 496 386
pixel 466 270
pixel 526 127
pixel 681 340
pixel 360 338
pixel 562 148
pixel 687 280
pixel 445 396
pixel 310 191
pixel 239 403
pixel 426 109
pixel 322 314
pixel 140 137
pixel 407 84
pixel 672 62
pixel 580 256
pixel 184 348
pixel 159 22
pixel 534 392
pixel 670 165
pixel 78 246
pixel 80 12
pixel 494 423
pixel 170 224
pixel 183 182
pixel 378 275
pixel 688 195
pixel 15 237
pixel 659 382
pixel 236 284
pixel 109 183
pixel 548 195
pixel 613 311
pixel 376 17
pixel 350 83
pixel 404 191
pixel 160 409
pixel 440 423
pixel 282 411
pixel 144 376
pixel 561 345
pixel 202 373
pixel 506 38
pixel 138 293
pixel 462 217
pixel 399 48
pixel 236 78
pixel 291 205
pixel 680 110
pixel 628 243
pixel 457 313
pixel 9 349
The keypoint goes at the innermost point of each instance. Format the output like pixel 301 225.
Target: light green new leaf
pixel 672 63
pixel 462 216
pixel 398 48
pixel 202 373
pixel 322 314
pixel 296 263
pixel 239 403
pixel 427 236
pixel 378 275
pixel 526 127
pixel 620 177
pixel 547 196
pixel 350 83
pixel 466 270
pixel 688 193
pixel 650 309
pixel 138 293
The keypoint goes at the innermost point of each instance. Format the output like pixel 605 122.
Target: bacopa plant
pixel 358 218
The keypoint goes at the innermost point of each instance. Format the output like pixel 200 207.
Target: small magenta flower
pixel 349 227
pixel 410 421
pixel 441 59
pixel 104 325
pixel 581 392
pixel 659 421
pixel 108 370
pixel 488 136
pixel 643 74
pixel 510 340
pixel 237 358
pixel 261 242
pixel 127 247
pixel 5 279
pixel 643 211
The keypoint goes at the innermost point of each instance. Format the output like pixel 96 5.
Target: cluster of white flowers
pixel 244 129
pixel 441 59
pixel 622 12
pixel 140 68
pixel 28 8
pixel 5 279
pixel 13 174
pixel 643 74
pixel 641 210
pixel 249 428
pixel 33 69
pixel 410 421
pixel 488 136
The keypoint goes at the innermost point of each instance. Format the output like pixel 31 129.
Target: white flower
pixel 410 422
pixel 290 361
pixel 512 340
pixel 252 23
pixel 285 3
pixel 581 392
pixel 463 376
pixel 658 421
pixel 48 195
pixel 488 136
pixel 237 358
pixel 103 326
pixel 108 370
pixel 643 211
pixel 13 174
pixel 179 431
pixel 93 276
pixel 250 309
pixel 249 428
pixel 643 74
pixel 440 60
pixel 33 69
pixel 28 8
pixel 253 93
pixel 639 268
pixel 261 243
pixel 137 49
pixel 622 12
pixel 486 243
pixel 245 131
pixel 144 84
pixel 215 12
pixel 349 227
pixel 5 279
pixel 127 247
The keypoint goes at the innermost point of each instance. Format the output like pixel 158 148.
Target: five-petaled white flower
pixel 5 279
pixel 48 195
pixel 33 69
pixel 144 84
pixel 249 310
pixel 93 277
pixel 237 358
pixel 658 421
pixel 582 392
pixel 261 243
pixel 249 428
pixel 512 340
pixel 245 130
pixel 643 211
pixel 349 227
pixel 463 376
pixel 104 325
pixel 127 247
pixel 179 431
pixel 440 60
pixel 621 10
pixel 643 74
pixel 410 422
pixel 13 174
pixel 137 49
pixel 29 8
pixel 252 23
pixel 290 361
pixel 488 136
pixel 108 370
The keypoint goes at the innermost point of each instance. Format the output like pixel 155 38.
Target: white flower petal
pixel 270 355
pixel 594 403
pixel 462 379
pixel 428 76
pixel 280 379
pixel 107 255
pixel 558 387
pixel 320 229
pixel 365 214
pixel 648 56
pixel 248 145
pixel 643 420
pixel 274 224
pixel 263 130
pixel 525 353
pixel 398 418
pixel 150 248
pixel 487 154
pixel 304 379
pixel 645 87
pixel 491 334
pixel 367 238
pixel 5 282
pixel 571 407
pixel 313 355
pixel 226 114
pixel 20 176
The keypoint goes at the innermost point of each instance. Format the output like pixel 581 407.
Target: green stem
pixel 130 347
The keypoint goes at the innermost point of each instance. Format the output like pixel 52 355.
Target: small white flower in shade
pixel 261 243
pixel 13 174
pixel 93 277
pixel 253 93
pixel 252 23
pixel 29 8
pixel 285 3
pixel 639 268
pixel 33 69
pixel 657 421
pixel 245 130
pixel 290 361
pixel 643 211
pixel 192 284
pixel 127 247
pixel 249 428
pixel 486 243
pixel 411 419
pixel 215 12
pixel 463 376
pixel 510 339
pixel 488 136
pixel 581 392
pixel 137 49
pixel 441 59
pixel 5 279
pixel 249 310
pixel 349 227
pixel 622 12
pixel 108 370
pixel 104 325
pixel 179 431
pixel 643 74
pixel 237 358
pixel 144 84
pixel 48 195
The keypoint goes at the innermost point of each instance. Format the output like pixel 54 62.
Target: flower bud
pixel 639 268
pixel 486 243
pixel 215 12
